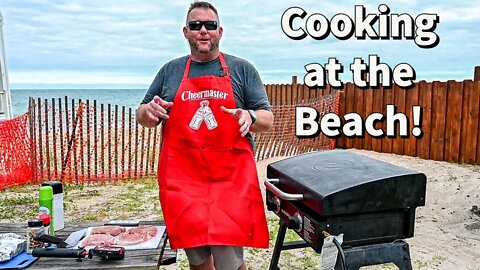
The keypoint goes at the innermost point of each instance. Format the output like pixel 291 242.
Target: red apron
pixel 208 181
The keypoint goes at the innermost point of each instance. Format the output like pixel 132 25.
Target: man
pixel 209 102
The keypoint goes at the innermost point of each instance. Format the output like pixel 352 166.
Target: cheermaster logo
pixel 205 94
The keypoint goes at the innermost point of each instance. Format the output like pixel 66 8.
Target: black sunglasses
pixel 197 25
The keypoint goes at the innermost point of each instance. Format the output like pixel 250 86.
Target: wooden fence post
pixel 294 98
pixel 476 76
pixel 340 141
pixel 294 80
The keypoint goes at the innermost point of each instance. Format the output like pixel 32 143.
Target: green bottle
pixel 45 202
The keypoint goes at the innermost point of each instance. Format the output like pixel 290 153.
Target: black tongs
pixel 50 239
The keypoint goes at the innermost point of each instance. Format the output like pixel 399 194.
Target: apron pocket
pixel 220 164
pixel 186 167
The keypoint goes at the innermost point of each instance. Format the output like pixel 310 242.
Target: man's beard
pixel 212 46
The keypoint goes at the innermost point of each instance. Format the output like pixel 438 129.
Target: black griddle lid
pixel 340 175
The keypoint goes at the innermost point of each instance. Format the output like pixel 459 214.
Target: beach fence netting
pixel 15 156
pixel 281 139
pixel 81 142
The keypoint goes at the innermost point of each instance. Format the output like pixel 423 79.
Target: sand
pixel 447 228
pixel 447 231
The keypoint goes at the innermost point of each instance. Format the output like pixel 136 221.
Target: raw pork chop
pixel 128 239
pixel 112 230
pixel 99 240
pixel 136 235
pixel 148 230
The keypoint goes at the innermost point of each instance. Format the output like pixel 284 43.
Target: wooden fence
pixel 449 116
pixel 293 94
pixel 450 121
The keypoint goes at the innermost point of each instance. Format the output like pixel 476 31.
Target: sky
pixel 122 44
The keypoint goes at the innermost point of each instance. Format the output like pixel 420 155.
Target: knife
pixel 75 237
pixel 70 242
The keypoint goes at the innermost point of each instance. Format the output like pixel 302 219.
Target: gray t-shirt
pixel 247 86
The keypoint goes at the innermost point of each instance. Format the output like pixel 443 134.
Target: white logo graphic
pixel 204 113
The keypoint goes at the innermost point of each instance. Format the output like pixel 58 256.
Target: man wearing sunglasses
pixel 208 103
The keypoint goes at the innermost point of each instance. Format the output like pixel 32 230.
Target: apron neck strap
pixel 222 62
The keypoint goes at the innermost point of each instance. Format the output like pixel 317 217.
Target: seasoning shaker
pixel 35 229
pixel 46 222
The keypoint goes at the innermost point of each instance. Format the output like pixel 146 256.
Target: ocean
pixel 130 98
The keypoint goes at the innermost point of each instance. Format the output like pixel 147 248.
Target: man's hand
pixel 243 117
pixel 150 114
pixel 157 108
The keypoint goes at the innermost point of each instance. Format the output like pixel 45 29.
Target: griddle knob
pixel 274 205
pixel 295 222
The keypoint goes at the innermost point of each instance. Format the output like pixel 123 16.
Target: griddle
pixel 371 202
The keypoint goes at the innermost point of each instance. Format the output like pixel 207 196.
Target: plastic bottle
pixel 46 204
pixel 57 218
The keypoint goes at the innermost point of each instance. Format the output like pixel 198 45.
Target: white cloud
pixel 457 14
pixel 131 39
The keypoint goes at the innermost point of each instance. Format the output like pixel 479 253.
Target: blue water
pixel 129 98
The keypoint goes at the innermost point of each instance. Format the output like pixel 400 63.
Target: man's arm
pixel 152 113
pixel 263 123
pixel 253 96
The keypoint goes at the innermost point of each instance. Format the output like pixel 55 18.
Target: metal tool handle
pixel 59 252
pixel 270 184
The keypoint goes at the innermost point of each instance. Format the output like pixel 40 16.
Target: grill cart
pixel 371 202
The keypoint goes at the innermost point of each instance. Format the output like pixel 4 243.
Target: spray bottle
pixel 46 204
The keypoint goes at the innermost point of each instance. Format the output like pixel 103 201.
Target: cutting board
pixel 150 244
pixel 20 261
